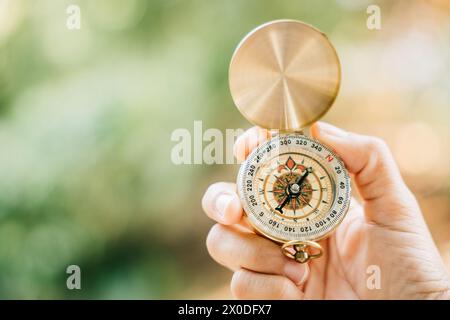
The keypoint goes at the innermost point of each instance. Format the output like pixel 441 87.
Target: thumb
pixel 376 174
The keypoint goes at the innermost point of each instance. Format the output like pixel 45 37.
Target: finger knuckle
pixel 239 284
pixel 239 149
pixel 382 156
pixel 283 291
pixel 378 144
pixel 256 251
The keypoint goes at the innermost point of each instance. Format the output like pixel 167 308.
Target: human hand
pixel 387 230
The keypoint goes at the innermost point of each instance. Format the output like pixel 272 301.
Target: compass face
pixel 294 188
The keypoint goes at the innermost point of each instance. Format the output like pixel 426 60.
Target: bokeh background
pixel 86 118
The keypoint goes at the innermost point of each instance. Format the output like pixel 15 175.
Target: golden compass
pixel 285 75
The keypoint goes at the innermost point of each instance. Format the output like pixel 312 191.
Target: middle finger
pixel 235 249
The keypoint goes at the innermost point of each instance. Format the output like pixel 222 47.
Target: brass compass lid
pixel 284 75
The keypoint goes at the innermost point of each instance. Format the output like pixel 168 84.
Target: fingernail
pixel 328 129
pixel 297 272
pixel 262 135
pixel 222 202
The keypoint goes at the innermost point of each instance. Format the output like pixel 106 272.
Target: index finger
pixel 249 140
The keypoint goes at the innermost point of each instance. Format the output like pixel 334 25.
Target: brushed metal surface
pixel 284 75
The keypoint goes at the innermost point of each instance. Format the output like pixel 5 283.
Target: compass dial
pixel 294 188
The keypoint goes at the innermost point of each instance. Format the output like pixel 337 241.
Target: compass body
pixel 283 206
pixel 285 75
